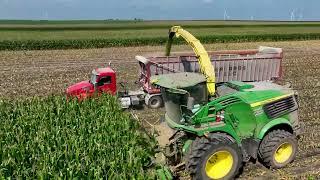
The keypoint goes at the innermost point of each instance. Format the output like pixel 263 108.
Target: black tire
pixel 269 148
pixel 155 102
pixel 203 149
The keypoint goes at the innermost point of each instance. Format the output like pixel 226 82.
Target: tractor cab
pixel 102 80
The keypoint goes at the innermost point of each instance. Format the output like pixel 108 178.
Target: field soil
pixel 41 73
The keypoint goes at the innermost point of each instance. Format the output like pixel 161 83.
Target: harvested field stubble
pixel 29 73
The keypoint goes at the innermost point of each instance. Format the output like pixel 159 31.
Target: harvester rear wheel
pixel 216 157
pixel 278 148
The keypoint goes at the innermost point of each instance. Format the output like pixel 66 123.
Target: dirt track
pixel 29 73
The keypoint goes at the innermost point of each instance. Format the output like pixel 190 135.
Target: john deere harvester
pixel 214 137
pixel 212 129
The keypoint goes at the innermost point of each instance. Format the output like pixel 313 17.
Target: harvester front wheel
pixel 278 148
pixel 216 157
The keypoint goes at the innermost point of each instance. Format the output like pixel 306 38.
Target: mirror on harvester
pixel 190 103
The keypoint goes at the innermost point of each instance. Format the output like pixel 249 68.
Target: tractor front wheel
pixel 278 148
pixel 216 157
pixel 155 102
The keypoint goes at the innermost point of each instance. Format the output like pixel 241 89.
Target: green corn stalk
pixel 142 41
pixel 52 138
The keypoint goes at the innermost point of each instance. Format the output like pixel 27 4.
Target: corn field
pixel 51 137
pixel 143 41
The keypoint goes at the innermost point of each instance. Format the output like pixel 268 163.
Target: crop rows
pixel 144 26
pixel 141 41
pixel 46 138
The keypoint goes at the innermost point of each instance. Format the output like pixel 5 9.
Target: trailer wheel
pixel 217 158
pixel 278 148
pixel 155 102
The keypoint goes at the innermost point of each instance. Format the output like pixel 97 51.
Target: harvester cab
pixel 182 94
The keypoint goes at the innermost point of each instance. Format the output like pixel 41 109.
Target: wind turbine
pixel 225 15
pixel 292 18
pixel 46 15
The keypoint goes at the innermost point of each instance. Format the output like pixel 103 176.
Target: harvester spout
pixel 206 67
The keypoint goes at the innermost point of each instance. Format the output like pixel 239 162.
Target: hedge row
pixel 102 43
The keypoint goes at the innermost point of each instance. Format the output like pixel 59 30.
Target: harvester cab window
pixel 199 93
pixel 104 80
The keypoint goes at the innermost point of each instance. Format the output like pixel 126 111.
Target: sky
pixel 160 9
